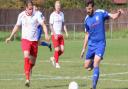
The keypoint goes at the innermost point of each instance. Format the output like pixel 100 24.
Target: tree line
pixel 66 4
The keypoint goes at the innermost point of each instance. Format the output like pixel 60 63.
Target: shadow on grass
pixel 55 86
pixel 60 86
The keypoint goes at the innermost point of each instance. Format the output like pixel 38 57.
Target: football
pixel 73 85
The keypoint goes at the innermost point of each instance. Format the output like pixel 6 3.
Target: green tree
pixel 104 4
pixel 65 3
pixel 10 4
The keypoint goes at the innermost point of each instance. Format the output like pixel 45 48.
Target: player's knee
pixel 97 61
pixel 86 66
pixel 62 50
pixel 96 65
pixel 26 54
pixel 57 49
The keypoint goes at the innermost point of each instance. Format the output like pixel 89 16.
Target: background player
pixel 95 38
pixel 29 21
pixel 56 25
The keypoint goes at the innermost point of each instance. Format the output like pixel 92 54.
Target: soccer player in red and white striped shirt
pixel 29 21
pixel 56 25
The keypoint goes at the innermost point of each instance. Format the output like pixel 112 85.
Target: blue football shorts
pixel 96 50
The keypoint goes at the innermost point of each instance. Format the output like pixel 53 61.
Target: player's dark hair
pixel 90 2
pixel 28 2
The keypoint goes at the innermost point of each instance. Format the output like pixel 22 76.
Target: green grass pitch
pixel 114 67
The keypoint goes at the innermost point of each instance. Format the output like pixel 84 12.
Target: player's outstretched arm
pixel 117 14
pixel 45 31
pixel 85 44
pixel 15 29
pixel 65 29
pixel 52 30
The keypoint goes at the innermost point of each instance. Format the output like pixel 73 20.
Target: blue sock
pixel 44 44
pixel 96 73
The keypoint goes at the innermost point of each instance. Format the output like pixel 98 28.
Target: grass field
pixel 114 67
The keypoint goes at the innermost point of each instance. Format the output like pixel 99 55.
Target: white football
pixel 73 85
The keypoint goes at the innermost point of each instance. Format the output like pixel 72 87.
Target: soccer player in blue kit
pixel 95 38
pixel 40 32
pixel 42 43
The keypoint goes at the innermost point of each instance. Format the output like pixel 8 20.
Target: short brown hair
pixel 90 2
pixel 28 2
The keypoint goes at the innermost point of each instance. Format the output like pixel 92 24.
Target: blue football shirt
pixel 95 26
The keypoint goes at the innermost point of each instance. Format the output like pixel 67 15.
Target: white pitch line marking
pixel 47 61
pixel 40 75
pixel 46 77
pixel 61 78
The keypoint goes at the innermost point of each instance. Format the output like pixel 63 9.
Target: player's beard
pixel 90 13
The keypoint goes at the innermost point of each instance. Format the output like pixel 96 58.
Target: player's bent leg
pixel 56 56
pixel 61 43
pixel 96 71
pixel 50 47
pixel 43 43
pixel 89 58
pixel 26 64
pixel 32 61
pixel 27 68
pixel 56 45
pixel 61 51
pixel 87 63
pixel 91 65
pixel 26 53
pixel 33 55
pixel 56 53
pixel 97 61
